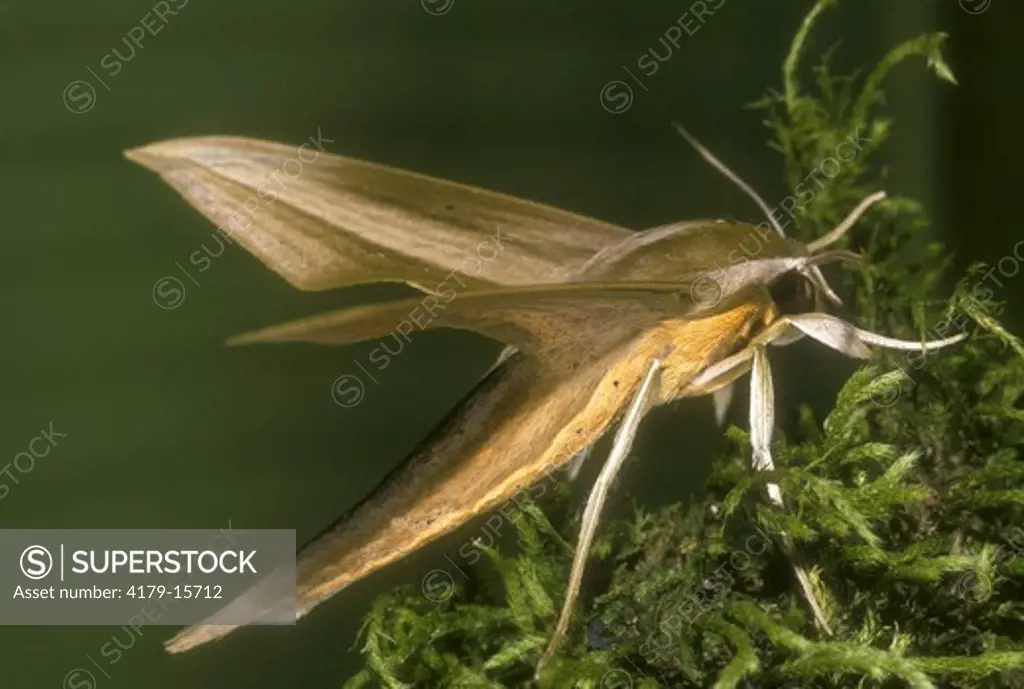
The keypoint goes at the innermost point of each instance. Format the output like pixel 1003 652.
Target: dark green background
pixel 167 428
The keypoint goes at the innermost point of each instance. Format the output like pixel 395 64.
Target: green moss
pixel 905 503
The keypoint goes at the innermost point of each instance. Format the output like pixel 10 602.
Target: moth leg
pixel 591 513
pixel 830 331
pixel 722 398
pixel 719 379
pixel 576 463
pixel 852 341
pixel 762 424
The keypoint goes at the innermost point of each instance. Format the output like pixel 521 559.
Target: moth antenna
pixel 834 255
pixel 818 278
pixel 732 176
pixel 848 222
pixel 814 274
pixel 833 236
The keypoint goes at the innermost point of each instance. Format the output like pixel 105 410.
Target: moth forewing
pixel 323 221
pixel 558 324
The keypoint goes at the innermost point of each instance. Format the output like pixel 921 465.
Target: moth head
pixel 810 289
pixel 808 286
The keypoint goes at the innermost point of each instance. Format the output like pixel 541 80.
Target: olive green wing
pixel 323 221
pixel 555 323
pixel 560 324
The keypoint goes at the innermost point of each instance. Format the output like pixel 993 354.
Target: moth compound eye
pixel 792 293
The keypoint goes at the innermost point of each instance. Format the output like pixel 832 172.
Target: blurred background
pixel 164 427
